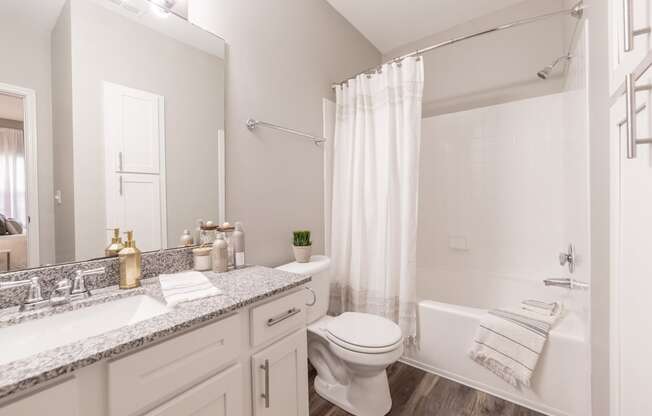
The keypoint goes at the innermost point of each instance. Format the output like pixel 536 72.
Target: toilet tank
pixel 318 268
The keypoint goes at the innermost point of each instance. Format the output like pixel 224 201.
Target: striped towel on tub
pixel 509 342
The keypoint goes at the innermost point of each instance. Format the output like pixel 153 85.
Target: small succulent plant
pixel 302 238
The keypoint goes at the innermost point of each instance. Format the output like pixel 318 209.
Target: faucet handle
pixel 34 297
pixel 34 292
pixel 79 286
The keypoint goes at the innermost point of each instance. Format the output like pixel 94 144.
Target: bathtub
pixel 559 384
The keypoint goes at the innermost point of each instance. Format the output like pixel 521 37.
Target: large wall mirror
pixel 111 116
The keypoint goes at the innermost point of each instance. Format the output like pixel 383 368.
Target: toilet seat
pixel 364 333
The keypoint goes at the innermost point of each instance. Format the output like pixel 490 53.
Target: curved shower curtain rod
pixel 576 11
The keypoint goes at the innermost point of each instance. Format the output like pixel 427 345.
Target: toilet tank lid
pixel 317 264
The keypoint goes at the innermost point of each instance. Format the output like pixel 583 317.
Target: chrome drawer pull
pixel 282 317
pixel 628 24
pixel 265 368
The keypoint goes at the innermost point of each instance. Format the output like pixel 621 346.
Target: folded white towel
pixel 185 286
pixel 509 342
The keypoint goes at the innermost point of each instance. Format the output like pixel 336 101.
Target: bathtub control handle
pixel 569 258
pixel 566 283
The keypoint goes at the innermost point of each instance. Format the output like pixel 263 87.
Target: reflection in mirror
pixel 111 116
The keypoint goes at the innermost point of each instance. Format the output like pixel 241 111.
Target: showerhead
pixel 547 71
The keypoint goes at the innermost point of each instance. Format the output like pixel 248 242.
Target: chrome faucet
pixel 34 298
pixel 68 290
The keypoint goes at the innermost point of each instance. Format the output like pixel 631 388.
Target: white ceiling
pixel 41 14
pixel 389 24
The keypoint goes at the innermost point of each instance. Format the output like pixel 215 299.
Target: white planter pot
pixel 302 253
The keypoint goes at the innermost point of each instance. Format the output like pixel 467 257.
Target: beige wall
pixel 495 68
pixel 26 63
pixel 64 213
pixel 108 47
pixel 282 57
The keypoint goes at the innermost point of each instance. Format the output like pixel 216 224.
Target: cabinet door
pixel 133 128
pixel 631 265
pixel 220 395
pixel 135 202
pixel 624 62
pixel 280 378
pixel 60 400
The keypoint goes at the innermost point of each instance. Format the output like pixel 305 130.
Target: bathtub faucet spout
pixel 567 283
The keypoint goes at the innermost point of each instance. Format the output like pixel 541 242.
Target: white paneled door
pixel 631 266
pixel 137 208
pixel 280 385
pixel 135 164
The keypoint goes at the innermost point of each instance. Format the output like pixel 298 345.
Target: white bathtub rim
pixel 560 329
pixel 519 400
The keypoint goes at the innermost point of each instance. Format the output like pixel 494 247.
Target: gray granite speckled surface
pixel 153 264
pixel 240 288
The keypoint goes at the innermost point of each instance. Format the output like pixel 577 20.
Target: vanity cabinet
pixel 220 395
pixel 58 400
pixel 222 368
pixel 280 377
pixel 145 377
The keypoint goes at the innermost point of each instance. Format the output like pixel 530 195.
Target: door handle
pixel 628 26
pixel 265 368
pixel 120 185
pixel 120 163
pixel 630 116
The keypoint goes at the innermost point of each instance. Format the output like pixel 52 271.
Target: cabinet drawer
pixel 277 318
pixel 219 395
pixel 146 377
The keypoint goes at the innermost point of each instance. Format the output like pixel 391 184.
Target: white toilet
pixel 350 351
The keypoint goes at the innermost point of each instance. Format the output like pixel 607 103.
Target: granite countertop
pixel 240 288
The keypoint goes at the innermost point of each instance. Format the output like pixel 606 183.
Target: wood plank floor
pixel 417 393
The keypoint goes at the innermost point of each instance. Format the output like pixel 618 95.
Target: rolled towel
pixel 186 286
pixel 543 308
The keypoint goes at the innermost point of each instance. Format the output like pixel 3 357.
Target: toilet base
pixel 339 395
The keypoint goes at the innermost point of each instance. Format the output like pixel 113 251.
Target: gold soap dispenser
pixel 130 265
pixel 116 244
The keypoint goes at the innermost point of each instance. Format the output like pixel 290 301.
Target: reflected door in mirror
pixel 135 148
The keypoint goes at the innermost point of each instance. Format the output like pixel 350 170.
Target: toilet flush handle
pixel 314 296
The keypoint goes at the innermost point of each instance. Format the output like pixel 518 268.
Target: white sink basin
pixel 32 337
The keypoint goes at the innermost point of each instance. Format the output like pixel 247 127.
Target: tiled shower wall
pixel 503 190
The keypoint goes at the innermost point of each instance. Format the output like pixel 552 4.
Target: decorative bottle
pixel 116 244
pixel 238 242
pixel 220 254
pixel 130 264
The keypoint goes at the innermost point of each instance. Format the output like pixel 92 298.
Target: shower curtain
pixel 373 169
pixel 12 174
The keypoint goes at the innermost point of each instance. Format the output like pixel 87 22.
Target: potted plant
pixel 302 246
